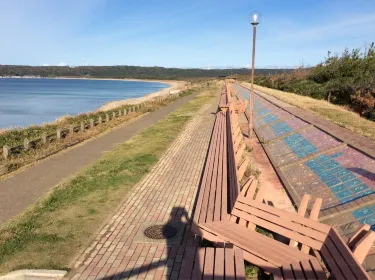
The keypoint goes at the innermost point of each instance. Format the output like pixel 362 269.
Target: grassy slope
pixel 337 114
pixel 52 232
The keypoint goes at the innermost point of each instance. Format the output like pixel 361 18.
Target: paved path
pixel 311 156
pixel 23 189
pixel 166 195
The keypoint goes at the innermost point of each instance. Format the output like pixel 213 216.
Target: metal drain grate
pixel 160 231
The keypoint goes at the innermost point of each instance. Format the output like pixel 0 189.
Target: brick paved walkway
pixel 166 195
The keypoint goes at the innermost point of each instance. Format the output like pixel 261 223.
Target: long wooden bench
pixel 229 213
pixel 212 263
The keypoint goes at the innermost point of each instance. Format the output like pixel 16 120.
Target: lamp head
pixel 255 18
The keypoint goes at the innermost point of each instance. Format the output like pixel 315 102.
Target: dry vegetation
pixel 339 115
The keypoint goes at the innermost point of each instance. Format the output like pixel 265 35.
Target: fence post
pixel 82 126
pixel 92 123
pixel 58 133
pixel 114 115
pixel 125 112
pixel 71 129
pixel 100 120
pixel 44 138
pixel 26 144
pixel 119 113
pixel 106 117
pixel 6 151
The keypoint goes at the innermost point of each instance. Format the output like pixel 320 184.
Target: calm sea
pixel 24 102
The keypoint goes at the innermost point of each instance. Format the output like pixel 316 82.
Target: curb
pixel 34 274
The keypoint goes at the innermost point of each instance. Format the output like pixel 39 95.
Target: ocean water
pixel 25 102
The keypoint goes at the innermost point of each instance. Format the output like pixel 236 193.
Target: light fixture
pixel 255 18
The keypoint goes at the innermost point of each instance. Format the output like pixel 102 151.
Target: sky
pixel 181 33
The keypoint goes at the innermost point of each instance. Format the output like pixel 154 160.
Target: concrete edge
pixel 40 273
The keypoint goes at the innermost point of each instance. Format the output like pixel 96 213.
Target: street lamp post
pixel 255 17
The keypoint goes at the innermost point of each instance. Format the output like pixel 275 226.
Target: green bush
pixel 338 80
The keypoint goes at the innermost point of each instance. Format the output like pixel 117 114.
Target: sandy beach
pixel 173 85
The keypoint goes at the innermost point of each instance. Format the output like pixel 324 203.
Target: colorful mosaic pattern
pixel 342 182
pixel 365 215
pixel 338 177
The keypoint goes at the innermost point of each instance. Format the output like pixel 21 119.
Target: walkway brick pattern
pixel 167 193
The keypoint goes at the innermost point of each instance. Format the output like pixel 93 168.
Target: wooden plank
pixel 240 153
pixel 344 250
pixel 301 211
pixel 278 229
pixel 309 271
pixel 242 169
pixel 217 185
pixel 198 264
pixel 285 215
pixel 330 260
pixel 187 263
pixel 319 272
pixel 257 244
pixel 209 264
pixel 297 271
pixel 219 263
pixel 361 231
pixel 229 264
pixel 214 180
pixel 240 265
pixel 263 264
pixel 211 173
pixel 314 215
pixel 288 272
pixel 277 220
pixel 207 171
pixel 224 190
pixel 363 246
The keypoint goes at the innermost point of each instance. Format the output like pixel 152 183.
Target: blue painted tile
pixel 344 194
pixel 332 182
pixel 367 192
pixel 337 169
pixel 339 188
pixel 342 173
pixel 362 212
pixel 346 200
pixel 358 189
pixel 368 220
pixel 347 177
pixel 353 183
pixel 337 155
pixel 372 207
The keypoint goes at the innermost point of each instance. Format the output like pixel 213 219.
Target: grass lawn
pixel 52 232
pixel 337 114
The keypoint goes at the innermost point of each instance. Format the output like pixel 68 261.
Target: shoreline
pixel 173 85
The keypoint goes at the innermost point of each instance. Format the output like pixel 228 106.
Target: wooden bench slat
pixel 331 263
pixel 290 216
pixel 278 229
pixel 363 246
pixel 207 171
pixel 297 271
pixel 214 180
pixel 344 250
pixel 209 259
pixel 258 244
pixel 301 211
pixel 198 264
pixel 308 270
pixel 219 263
pixel 314 215
pixel 229 263
pixel 240 265
pixel 288 272
pixel 187 263
pixel 279 221
pixel 319 272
